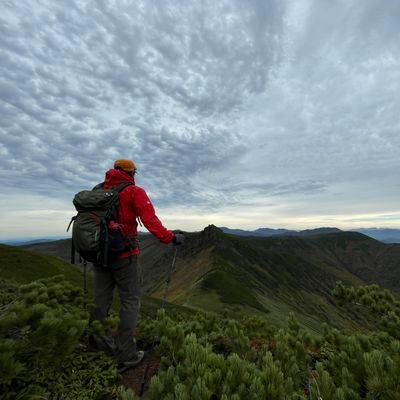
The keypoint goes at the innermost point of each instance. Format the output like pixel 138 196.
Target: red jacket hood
pixel 114 177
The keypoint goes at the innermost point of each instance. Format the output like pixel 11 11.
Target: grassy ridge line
pixel 296 276
pixel 263 276
pixel 241 276
pixel 24 266
pixel 57 248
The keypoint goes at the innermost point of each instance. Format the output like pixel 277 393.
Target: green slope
pixel 21 266
pixel 259 276
pixel 24 266
pixel 276 275
pixel 271 276
pixel 57 248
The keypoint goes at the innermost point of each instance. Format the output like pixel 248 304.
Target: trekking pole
pixel 84 285
pixel 84 282
pixel 166 289
pixel 168 280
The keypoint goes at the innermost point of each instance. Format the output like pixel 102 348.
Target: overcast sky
pixel 246 114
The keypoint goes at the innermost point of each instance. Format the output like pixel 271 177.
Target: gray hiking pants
pixel 126 275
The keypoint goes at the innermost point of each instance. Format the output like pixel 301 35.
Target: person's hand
pixel 178 239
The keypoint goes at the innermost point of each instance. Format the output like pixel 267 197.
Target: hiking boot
pixel 132 363
pixel 105 344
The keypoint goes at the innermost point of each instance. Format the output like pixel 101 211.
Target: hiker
pixel 123 270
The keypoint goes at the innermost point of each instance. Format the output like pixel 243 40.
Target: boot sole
pixel 124 368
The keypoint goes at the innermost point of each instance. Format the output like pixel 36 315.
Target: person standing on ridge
pixel 123 270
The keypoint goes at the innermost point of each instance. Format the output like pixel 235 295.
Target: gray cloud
pixel 217 101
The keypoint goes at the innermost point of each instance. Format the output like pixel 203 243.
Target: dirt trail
pixel 133 378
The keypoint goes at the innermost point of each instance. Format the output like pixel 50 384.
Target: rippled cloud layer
pixel 242 113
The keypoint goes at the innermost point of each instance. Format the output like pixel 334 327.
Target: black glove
pixel 178 239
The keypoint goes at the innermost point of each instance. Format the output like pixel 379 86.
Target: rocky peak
pixel 211 233
pixel 208 237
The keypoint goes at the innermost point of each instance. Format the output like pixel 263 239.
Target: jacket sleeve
pixel 145 211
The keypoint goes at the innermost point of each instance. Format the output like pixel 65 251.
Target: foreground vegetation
pixel 203 356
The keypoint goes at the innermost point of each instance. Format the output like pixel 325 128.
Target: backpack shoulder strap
pixel 118 189
pixel 122 186
pixel 99 186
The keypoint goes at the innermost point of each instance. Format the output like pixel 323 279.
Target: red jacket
pixel 134 204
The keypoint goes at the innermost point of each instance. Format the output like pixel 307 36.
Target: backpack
pixel 96 234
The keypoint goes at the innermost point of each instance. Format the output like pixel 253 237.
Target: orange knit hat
pixel 126 165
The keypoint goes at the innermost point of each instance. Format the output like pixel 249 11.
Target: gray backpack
pixel 96 234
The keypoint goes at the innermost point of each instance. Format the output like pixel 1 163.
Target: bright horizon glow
pixel 193 223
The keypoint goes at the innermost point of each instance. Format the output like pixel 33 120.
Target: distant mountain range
pixel 28 241
pixel 271 275
pixel 381 234
pixel 384 235
pixel 267 232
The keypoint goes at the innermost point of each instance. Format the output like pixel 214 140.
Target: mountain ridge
pixel 267 232
pixel 384 235
pixel 273 275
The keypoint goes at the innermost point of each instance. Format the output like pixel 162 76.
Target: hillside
pixel 207 355
pixel 57 248
pixel 273 276
pixel 24 266
pixel 198 355
pixel 264 275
